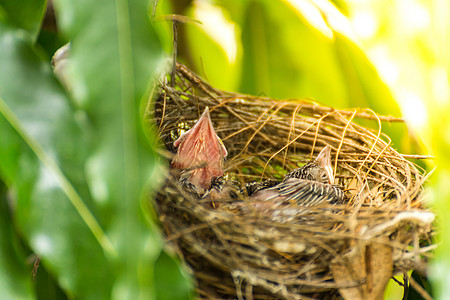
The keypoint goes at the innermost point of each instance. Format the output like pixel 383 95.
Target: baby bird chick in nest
pixel 200 155
pixel 308 185
pixel 319 170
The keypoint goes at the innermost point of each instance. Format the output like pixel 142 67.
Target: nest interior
pixel 323 252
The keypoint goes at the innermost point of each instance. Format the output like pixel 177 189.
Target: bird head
pixel 324 161
pixel 200 153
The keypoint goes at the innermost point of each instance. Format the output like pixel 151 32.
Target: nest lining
pixel 236 253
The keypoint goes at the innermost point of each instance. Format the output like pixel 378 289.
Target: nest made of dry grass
pixel 233 254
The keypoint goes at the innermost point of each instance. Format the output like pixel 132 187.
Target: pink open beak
pixel 201 152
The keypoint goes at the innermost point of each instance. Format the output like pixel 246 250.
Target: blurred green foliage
pixel 14 281
pixel 274 49
pixel 76 166
pixel 25 14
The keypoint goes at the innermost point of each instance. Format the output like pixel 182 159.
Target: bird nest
pixel 348 250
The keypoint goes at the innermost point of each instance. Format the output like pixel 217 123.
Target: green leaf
pixel 208 57
pixel 15 277
pixel 284 57
pixel 49 212
pixel 78 170
pixel 171 285
pixel 115 54
pixel 366 89
pixel 26 14
pixel 46 286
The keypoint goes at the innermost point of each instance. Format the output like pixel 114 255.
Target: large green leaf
pixel 45 169
pixel 286 58
pixel 26 14
pixel 367 90
pixel 208 57
pixel 80 173
pixel 115 53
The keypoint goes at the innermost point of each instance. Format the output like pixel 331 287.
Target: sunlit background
pixel 402 38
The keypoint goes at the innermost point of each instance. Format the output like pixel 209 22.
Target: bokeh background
pixel 78 162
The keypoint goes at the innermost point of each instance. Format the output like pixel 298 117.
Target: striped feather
pixel 305 192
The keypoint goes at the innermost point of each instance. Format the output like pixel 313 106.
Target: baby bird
pixel 200 155
pixel 319 170
pixel 308 185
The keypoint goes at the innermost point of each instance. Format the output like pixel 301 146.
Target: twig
pixel 174 51
pixel 417 156
pixel 405 286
